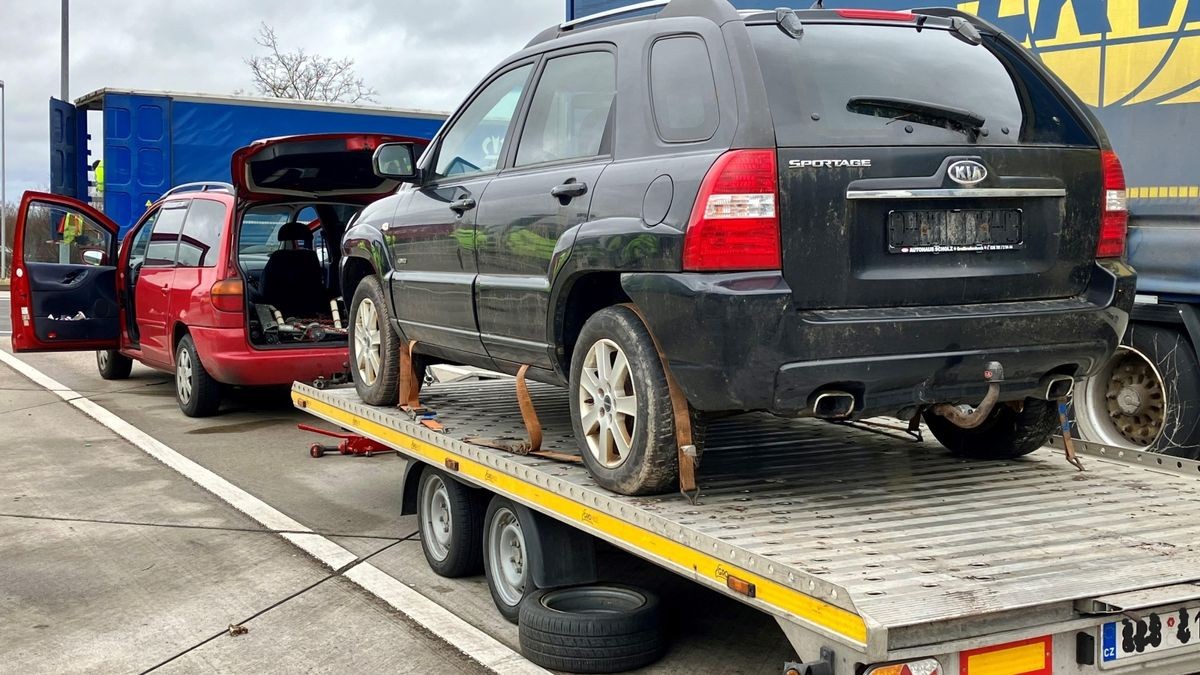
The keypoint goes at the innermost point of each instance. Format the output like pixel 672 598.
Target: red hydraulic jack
pixel 351 444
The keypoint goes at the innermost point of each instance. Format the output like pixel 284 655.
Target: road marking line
pixel 472 642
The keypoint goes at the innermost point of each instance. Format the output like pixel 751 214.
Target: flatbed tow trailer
pixel 867 546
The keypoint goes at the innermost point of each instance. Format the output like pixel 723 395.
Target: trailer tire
pixel 373 339
pixel 509 577
pixel 1158 367
pixel 196 392
pixel 1006 434
pixel 598 628
pixel 650 464
pixel 113 365
pixel 450 521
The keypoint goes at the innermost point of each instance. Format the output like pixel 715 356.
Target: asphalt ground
pixel 114 562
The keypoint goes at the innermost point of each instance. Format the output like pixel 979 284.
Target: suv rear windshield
pixel 811 83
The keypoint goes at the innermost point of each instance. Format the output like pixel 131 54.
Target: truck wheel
pixel 1005 434
pixel 1147 397
pixel 197 393
pixel 113 365
pixel 506 558
pixel 450 519
pixel 621 407
pixel 601 628
pixel 374 345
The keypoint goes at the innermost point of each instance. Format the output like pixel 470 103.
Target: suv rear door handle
pixel 569 190
pixel 461 206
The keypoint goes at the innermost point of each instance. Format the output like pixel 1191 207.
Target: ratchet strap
pixel 410 384
pixel 689 458
pixel 533 427
pixel 1068 443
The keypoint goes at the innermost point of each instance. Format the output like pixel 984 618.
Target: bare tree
pixel 308 77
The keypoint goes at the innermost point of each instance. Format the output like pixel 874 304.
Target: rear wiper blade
pixel 967 120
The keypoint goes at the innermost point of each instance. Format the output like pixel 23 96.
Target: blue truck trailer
pixel 1137 64
pixel 154 140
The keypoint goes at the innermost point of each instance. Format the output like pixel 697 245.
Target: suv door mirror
pixel 395 160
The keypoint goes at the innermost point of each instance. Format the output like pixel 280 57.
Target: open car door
pixel 64 277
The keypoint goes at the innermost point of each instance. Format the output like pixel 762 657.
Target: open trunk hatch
pixel 315 166
pixel 931 171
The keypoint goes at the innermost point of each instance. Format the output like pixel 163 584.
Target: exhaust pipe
pixel 993 374
pixel 833 405
pixel 1056 387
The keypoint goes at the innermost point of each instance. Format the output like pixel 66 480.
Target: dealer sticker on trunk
pixel 1152 633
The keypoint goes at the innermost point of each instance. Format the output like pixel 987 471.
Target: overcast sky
pixel 416 53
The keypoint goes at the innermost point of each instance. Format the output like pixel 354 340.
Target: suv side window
pixel 570 109
pixel 683 92
pixel 475 143
pixel 198 245
pixel 164 236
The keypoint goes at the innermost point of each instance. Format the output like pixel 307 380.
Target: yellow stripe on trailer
pixel 788 600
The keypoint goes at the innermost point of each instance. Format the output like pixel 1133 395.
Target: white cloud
pixel 417 53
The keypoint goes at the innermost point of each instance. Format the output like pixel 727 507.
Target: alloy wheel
pixel 368 356
pixel 607 403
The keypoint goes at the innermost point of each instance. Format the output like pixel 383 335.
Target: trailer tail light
pixel 226 295
pixel 1114 218
pixel 1029 657
pixel 735 221
pixel 918 667
pixel 876 15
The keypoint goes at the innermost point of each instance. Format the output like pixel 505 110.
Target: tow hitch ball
pixel 964 416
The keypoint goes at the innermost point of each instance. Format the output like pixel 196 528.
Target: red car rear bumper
pixel 230 360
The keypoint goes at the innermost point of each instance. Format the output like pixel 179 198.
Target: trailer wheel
pixel 601 628
pixel 450 519
pixel 374 345
pixel 506 558
pixel 1147 397
pixel 1005 434
pixel 620 405
pixel 113 365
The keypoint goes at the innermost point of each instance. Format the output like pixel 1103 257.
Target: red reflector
pixel 876 15
pixel 734 223
pixel 226 295
pixel 1114 217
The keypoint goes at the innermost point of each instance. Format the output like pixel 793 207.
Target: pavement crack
pixel 182 526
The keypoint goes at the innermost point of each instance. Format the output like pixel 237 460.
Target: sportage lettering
pixel 827 163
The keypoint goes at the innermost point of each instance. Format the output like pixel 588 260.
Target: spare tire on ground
pixel 596 628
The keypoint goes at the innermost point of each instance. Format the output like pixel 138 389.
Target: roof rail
pixel 200 186
pixel 636 7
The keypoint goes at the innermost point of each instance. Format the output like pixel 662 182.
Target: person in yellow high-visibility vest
pixel 98 172
pixel 71 227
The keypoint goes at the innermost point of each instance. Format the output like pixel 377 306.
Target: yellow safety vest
pixel 71 227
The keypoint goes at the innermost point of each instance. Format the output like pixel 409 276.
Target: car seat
pixel 292 278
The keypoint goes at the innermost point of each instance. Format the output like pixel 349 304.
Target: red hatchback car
pixel 219 284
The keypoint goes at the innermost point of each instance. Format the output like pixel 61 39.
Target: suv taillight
pixel 1114 217
pixel 226 295
pixel 735 221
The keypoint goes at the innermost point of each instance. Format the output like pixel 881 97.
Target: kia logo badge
pixel 967 172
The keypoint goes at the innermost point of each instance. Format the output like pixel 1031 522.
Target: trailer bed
pixel 858 534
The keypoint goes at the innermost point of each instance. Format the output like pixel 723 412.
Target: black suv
pixel 830 213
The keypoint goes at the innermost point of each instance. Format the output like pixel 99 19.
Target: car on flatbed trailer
pixel 873 551
pixel 814 213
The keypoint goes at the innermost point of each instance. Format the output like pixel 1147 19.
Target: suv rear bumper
pixel 734 342
pixel 230 360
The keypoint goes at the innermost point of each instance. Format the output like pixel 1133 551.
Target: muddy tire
pixel 374 345
pixel 113 365
pixel 1147 397
pixel 1006 434
pixel 620 406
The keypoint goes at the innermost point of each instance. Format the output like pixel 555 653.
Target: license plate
pixel 954 230
pixel 1155 632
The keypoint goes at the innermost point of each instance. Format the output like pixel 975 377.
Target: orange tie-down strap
pixel 410 384
pixel 533 427
pixel 688 456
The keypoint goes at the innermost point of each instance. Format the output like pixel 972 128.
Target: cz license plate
pixel 1155 632
pixel 954 230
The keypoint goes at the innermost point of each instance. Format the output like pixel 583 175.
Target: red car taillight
pixel 227 295
pixel 735 221
pixel 1114 217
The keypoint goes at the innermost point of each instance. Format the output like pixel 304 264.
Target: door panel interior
pixel 63 292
